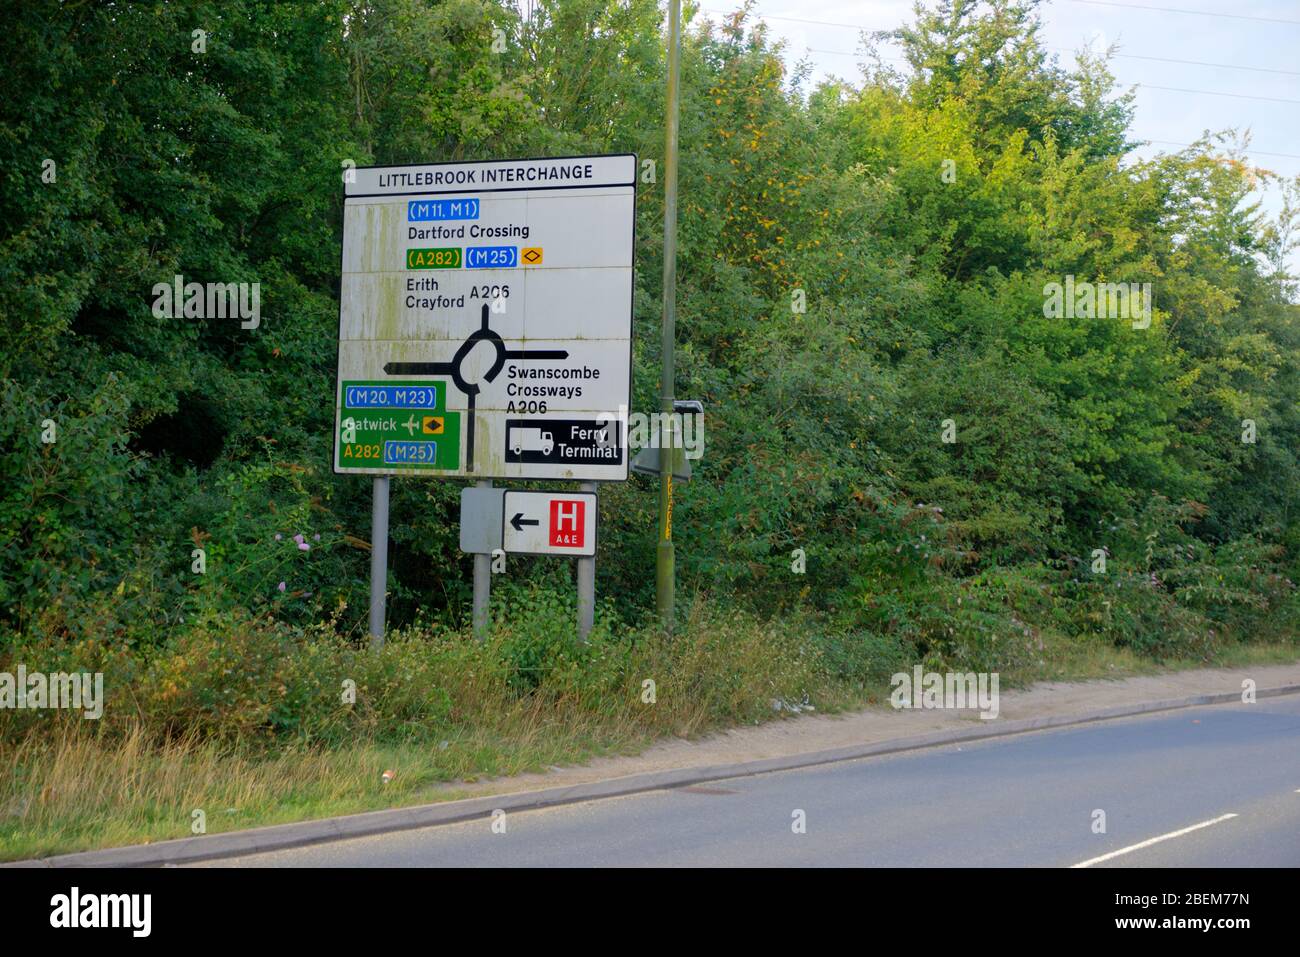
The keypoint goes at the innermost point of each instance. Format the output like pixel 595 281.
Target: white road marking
pixel 1154 840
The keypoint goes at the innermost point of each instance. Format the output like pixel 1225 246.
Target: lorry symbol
pixel 532 440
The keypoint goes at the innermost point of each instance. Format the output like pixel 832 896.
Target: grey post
pixel 378 559
pixel 587 583
pixel 482 584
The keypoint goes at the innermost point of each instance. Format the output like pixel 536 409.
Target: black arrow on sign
pixel 518 521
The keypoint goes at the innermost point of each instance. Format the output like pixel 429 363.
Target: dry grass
pixel 76 790
pixel 73 785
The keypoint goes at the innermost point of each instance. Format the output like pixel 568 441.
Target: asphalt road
pixel 1027 800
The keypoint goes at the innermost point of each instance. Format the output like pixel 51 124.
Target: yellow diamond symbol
pixel 431 425
pixel 532 255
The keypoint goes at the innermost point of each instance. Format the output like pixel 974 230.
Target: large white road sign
pixel 485 319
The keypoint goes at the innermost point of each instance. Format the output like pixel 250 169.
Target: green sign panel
pixel 390 426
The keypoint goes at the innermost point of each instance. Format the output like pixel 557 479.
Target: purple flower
pixel 298 538
pixel 280 587
pixel 278 536
pixel 317 536
pixel 304 547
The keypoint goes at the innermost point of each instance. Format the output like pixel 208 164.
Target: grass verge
pixel 251 725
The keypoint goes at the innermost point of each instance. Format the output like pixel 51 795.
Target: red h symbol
pixel 568 522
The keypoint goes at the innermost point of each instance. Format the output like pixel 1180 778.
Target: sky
pixel 1246 75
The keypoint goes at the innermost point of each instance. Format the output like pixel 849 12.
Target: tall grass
pixel 189 733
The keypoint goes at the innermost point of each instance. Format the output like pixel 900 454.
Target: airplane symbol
pixel 410 425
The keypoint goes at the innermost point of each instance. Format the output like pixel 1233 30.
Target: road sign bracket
pixel 646 462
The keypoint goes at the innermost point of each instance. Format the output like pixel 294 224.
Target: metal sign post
pixel 482 584
pixel 587 581
pixel 378 559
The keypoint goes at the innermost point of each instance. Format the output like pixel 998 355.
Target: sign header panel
pixel 485 319
pixel 495 175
